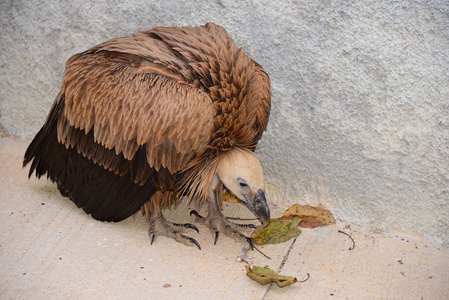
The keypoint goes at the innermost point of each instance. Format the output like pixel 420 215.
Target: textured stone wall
pixel 360 118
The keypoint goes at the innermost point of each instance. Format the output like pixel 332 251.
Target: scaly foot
pixel 160 226
pixel 218 223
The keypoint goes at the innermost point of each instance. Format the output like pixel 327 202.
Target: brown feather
pixel 159 108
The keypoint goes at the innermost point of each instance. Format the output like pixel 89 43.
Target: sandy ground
pixel 49 249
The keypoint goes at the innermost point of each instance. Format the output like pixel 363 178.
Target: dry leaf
pixel 228 197
pixel 277 231
pixel 264 275
pixel 311 216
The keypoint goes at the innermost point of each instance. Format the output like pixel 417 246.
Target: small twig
pixel 353 242
pixel 308 276
pixel 266 256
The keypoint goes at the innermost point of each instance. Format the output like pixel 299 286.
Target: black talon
pixel 192 240
pixel 152 238
pixel 251 244
pixel 195 213
pixel 216 237
pixel 191 226
pixel 187 225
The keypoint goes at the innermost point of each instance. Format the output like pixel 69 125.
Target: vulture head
pixel 241 173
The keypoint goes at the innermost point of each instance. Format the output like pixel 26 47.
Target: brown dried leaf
pixel 264 275
pixel 311 216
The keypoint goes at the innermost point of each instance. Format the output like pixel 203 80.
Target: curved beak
pixel 261 209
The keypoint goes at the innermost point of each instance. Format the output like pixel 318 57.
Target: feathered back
pixel 168 98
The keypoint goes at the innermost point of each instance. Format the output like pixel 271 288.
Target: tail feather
pixel 105 195
pixel 37 147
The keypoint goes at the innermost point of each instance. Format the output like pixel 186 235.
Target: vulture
pixel 166 115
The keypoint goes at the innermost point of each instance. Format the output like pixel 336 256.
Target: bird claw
pixel 184 237
pixel 250 242
pixel 247 239
pixel 187 225
pixel 217 233
pixel 196 214
pixel 226 225
pixel 160 226
pixel 152 237
pixel 193 241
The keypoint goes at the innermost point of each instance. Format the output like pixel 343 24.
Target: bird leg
pixel 218 223
pixel 160 226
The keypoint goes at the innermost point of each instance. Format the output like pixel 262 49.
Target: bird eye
pixel 242 182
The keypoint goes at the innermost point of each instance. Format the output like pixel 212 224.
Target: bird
pixel 165 115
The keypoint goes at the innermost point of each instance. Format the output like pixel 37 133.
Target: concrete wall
pixel 360 119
